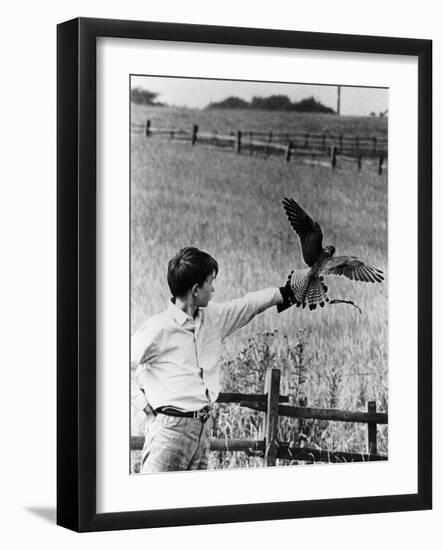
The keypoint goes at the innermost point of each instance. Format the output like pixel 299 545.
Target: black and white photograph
pixel 222 254
pixel 258 274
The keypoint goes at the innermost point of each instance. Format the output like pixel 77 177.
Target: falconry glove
pixel 288 296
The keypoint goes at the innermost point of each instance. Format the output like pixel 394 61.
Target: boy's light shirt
pixel 178 357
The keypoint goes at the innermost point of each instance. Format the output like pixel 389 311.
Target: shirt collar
pixel 179 315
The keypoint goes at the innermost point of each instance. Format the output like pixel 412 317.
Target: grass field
pixel 230 206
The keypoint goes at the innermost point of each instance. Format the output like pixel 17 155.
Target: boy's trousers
pixel 176 443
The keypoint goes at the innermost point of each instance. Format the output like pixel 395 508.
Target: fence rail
pixel 271 449
pixel 295 146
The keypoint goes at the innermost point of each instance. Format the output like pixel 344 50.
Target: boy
pixel 176 354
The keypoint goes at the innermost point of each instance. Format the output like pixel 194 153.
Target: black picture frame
pixel 76 274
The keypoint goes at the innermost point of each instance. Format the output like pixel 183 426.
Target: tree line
pixel 145 97
pixel 273 103
pixel 270 103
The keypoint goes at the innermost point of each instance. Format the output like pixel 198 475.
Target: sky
pixel 198 93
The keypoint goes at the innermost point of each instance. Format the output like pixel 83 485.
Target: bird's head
pixel 330 250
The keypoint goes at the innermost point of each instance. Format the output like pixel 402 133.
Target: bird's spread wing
pixel 309 232
pixel 353 268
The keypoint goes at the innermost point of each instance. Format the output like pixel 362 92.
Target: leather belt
pixel 202 414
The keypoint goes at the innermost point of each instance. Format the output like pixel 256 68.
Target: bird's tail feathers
pixel 308 291
pixel 317 293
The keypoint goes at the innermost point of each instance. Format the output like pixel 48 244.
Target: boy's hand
pixel 149 411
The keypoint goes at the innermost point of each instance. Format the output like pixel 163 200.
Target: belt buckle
pixel 202 414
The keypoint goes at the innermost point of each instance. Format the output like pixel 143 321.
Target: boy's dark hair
pixel 188 267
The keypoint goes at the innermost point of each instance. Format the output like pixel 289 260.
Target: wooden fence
pixel 275 405
pixel 311 148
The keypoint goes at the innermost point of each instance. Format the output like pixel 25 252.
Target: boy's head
pixel 193 270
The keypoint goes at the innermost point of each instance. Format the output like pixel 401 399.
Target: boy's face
pixel 205 291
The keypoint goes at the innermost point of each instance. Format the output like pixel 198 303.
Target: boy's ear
pixel 195 289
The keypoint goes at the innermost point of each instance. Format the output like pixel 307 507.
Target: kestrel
pixel 307 284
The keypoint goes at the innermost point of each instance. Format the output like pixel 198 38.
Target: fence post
pixel 288 152
pixel 333 157
pixel 238 142
pixel 272 389
pixel 194 134
pixel 148 127
pixel 359 162
pixel 380 165
pixel 372 430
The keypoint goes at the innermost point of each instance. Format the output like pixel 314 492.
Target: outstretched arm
pixel 237 313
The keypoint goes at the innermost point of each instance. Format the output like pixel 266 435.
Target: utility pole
pixel 338 99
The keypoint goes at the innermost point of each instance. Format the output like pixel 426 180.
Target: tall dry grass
pixel 230 206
